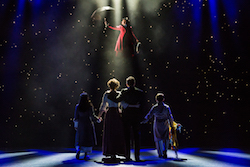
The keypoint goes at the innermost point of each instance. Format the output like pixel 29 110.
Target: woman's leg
pixel 165 148
pixel 159 147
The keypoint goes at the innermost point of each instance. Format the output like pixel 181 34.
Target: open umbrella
pixel 98 14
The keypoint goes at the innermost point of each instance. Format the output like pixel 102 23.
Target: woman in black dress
pixel 113 137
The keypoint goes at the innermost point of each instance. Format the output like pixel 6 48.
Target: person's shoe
pixel 165 156
pixel 86 157
pixel 111 160
pixel 128 159
pixel 78 154
pixel 137 159
pixel 113 156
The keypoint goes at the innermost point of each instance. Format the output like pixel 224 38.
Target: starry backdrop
pixel 194 51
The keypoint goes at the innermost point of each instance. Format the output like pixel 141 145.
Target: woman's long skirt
pixel 113 135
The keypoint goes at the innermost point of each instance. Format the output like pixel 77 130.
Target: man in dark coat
pixel 131 99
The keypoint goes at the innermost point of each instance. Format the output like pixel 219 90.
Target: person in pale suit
pixel 163 119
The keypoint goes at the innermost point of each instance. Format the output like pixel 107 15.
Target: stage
pixel 196 52
pixel 66 157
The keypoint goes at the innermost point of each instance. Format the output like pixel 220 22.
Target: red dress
pixel 125 38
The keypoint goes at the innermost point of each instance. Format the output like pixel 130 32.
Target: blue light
pixel 197 22
pixel 215 36
pixel 41 152
pixel 189 150
pixel 214 16
pixel 197 11
pixel 21 5
pixel 235 150
pixel 38 2
pixel 234 156
pixel 231 9
pixel 13 52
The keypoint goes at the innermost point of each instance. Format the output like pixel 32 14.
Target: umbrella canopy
pixel 98 14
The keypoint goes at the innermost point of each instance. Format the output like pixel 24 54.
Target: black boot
pixel 78 154
pixel 165 156
pixel 86 156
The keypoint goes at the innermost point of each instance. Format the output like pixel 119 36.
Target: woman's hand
pixel 144 121
pixel 99 117
pixel 75 124
pixel 106 23
pixel 99 120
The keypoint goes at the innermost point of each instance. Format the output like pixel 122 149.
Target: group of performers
pixel 122 113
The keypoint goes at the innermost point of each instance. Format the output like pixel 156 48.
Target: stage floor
pixel 66 157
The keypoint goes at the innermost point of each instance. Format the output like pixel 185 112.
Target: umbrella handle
pixel 137 47
pixel 105 22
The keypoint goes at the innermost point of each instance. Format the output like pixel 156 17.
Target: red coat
pixel 119 43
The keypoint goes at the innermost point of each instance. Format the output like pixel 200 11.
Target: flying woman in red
pixel 125 41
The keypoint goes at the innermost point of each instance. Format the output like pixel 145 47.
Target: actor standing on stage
pixel 83 122
pixel 131 99
pixel 113 134
pixel 162 120
pixel 125 41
